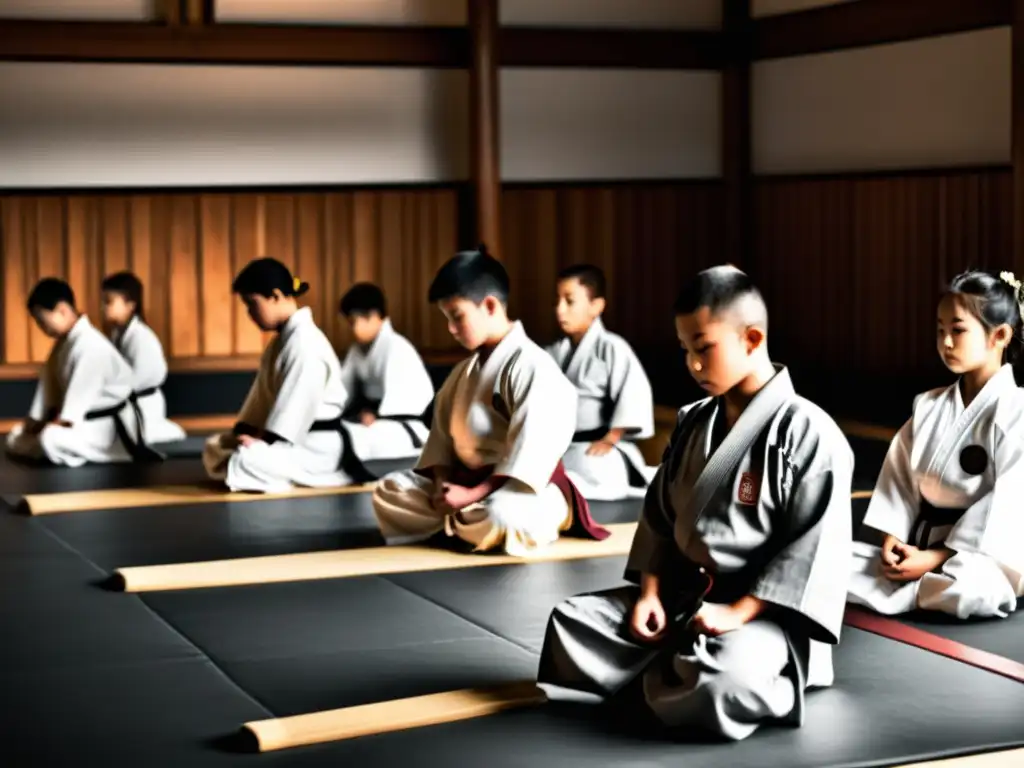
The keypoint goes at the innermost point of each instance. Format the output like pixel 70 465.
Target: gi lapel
pixel 757 415
pixel 953 436
pixel 582 352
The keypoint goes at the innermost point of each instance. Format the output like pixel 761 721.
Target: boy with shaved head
pixel 753 492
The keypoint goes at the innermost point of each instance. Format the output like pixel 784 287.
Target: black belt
pixel 137 449
pixel 358 404
pixel 636 479
pixel 351 464
pixel 136 396
pixel 930 517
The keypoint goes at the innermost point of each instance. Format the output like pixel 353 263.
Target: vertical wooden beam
pixel 484 116
pixel 199 13
pixel 735 149
pixel 1017 135
pixel 169 12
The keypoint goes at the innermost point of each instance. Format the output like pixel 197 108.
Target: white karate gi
pixel 776 524
pixel 955 462
pixel 391 380
pixel 84 373
pixel 145 354
pixel 513 410
pixel 613 393
pixel 298 383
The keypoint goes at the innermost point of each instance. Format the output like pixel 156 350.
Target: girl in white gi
pixel 289 429
pixel 126 324
pixel 388 384
pixel 950 497
pixel 81 411
pixel 615 405
pixel 490 472
pixel 755 489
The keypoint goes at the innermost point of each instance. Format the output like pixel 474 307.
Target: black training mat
pixel 171 714
pixel 892 705
pixel 189 448
pixel 18 478
pixel 619 511
pixel 57 617
pixel 513 601
pixel 1003 637
pixel 120 538
pixel 305 647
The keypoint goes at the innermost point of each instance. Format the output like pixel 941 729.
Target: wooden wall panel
pixel 646 237
pixel 852 266
pixel 188 247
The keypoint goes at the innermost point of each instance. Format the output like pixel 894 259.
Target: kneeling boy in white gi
pixel 490 472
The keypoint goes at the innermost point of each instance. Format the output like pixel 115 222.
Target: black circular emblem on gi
pixel 973 460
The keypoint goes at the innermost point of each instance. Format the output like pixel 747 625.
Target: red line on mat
pixel 895 630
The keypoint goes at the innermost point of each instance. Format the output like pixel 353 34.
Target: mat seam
pixel 202 651
pixel 465 618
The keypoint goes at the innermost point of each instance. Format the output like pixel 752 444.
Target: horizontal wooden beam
pixel 232 44
pixel 872 22
pixel 435 47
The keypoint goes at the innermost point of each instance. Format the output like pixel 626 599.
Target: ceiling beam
pixel 872 22
pixel 437 47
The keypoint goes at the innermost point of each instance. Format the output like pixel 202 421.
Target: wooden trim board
pixel 389 716
pixel 348 563
pixel 159 496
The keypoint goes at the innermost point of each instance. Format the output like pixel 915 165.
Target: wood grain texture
pixel 187 247
pixel 852 266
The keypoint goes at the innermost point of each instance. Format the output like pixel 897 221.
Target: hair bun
pixel 301 288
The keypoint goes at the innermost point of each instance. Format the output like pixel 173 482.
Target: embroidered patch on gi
pixel 973 460
pixel 749 487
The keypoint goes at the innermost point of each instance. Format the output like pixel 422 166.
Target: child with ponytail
pixel 948 499
pixel 289 431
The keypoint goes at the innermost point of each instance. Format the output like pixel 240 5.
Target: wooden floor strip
pixel 390 716
pixel 159 496
pixel 1004 759
pixel 348 563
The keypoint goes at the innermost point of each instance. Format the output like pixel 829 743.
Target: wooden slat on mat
pixel 340 564
pixel 160 496
pixel 1004 759
pixel 389 716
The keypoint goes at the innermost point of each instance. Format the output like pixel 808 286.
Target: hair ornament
pixel 296 284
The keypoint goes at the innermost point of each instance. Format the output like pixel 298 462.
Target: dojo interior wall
pixel 880 173
pixel 183 173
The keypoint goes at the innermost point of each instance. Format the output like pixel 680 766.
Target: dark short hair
pixel 719 289
pixel 362 299
pixel 589 276
pixel 472 275
pixel 128 285
pixel 49 292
